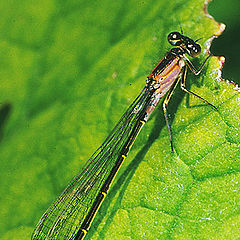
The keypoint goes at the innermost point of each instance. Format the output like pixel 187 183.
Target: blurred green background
pixel 228 12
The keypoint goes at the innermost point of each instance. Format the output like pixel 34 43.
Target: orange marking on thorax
pixel 173 67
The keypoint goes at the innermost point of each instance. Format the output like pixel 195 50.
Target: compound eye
pixel 195 49
pixel 174 38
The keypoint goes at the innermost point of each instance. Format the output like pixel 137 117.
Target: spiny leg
pixel 165 103
pixel 183 87
pixel 191 66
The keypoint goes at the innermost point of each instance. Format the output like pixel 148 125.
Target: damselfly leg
pixel 183 87
pixel 165 103
pixel 196 72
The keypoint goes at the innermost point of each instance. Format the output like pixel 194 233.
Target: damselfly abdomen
pixel 70 216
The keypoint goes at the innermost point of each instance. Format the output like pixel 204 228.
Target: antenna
pixel 198 39
pixel 179 23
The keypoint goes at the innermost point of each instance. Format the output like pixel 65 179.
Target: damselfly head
pixel 192 48
pixel 189 46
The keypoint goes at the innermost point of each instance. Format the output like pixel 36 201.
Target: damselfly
pixel 70 216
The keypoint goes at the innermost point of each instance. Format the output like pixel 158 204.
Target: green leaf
pixel 68 70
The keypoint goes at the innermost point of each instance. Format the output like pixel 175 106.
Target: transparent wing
pixel 64 217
